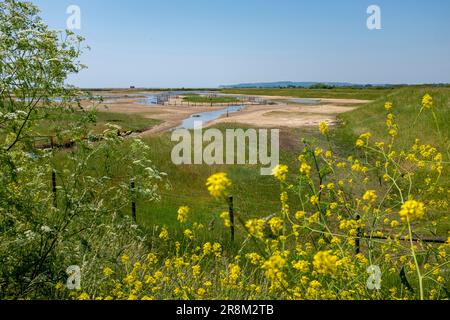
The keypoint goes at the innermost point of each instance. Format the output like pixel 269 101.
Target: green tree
pixel 89 225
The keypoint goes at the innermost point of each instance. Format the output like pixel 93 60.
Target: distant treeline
pixel 324 86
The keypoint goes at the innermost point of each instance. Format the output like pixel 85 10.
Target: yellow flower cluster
pixel 280 172
pixel 276 225
pixel 370 196
pixel 218 185
pixel 273 270
pixel 412 210
pixel 256 227
pixel 305 169
pixel 324 128
pixel 183 214
pixel 427 101
pixel 388 106
pixel 225 216
pixel 325 262
pixel 164 235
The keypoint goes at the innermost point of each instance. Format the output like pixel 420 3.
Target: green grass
pixel 196 98
pixel 337 93
pixel 254 195
pixel 97 123
pixel 407 104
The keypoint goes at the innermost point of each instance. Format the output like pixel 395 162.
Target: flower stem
pixel 413 252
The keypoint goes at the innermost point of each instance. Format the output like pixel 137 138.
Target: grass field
pixel 96 122
pixel 256 195
pixel 196 98
pixel 407 104
pixel 337 93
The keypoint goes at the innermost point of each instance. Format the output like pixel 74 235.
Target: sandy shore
pixel 279 115
pixel 290 116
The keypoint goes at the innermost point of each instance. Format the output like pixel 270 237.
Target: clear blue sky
pixel 206 43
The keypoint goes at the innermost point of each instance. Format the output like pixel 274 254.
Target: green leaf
pixel 405 281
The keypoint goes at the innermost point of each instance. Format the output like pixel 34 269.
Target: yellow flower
pixel 273 269
pixel 318 152
pixel 254 258
pixel 365 136
pixel 234 273
pixel 302 266
pixel 427 101
pixel 207 283
pixel 314 200
pixel 388 106
pixel 325 262
pixel 207 248
pixel 218 184
pixel 280 172
pixel 393 132
pixel 59 286
pixel 183 214
pixel 394 223
pixel 370 196
pixel 276 225
pixel 124 259
pixel 107 271
pixel 201 292
pixel 152 258
pixel 256 227
pixel 129 279
pixel 164 235
pixel 217 249
pixel 411 210
pixel 196 271
pixel 324 128
pixel 225 216
pixel 83 296
pixel 305 169
pixel 360 143
pixel 300 215
pixel 188 234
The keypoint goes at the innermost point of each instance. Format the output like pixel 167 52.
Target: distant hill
pixel 287 84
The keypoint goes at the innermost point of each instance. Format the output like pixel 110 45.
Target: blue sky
pixel 207 43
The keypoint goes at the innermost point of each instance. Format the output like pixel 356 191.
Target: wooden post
pixel 358 237
pixel 231 212
pixel 133 200
pixel 55 195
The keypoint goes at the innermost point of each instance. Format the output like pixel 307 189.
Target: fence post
pixel 358 236
pixel 133 200
pixel 231 212
pixel 55 195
